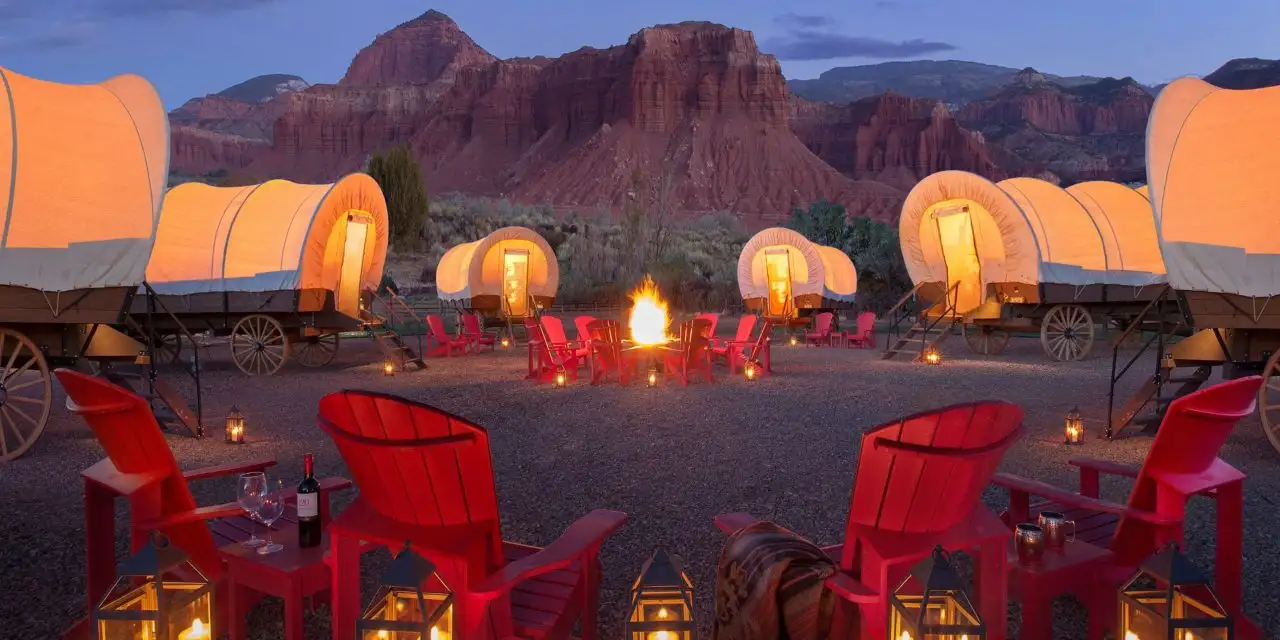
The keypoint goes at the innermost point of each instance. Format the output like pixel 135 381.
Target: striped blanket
pixel 769 586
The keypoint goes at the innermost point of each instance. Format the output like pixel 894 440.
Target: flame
pixel 649 317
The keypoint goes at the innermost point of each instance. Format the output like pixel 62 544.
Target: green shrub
pixel 400 178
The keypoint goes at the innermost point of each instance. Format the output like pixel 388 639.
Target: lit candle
pixel 560 379
pixel 506 342
pixel 653 378
pixel 749 370
pixel 662 613
pixel 1129 635
pixel 794 341
pixel 906 635
pixel 197 632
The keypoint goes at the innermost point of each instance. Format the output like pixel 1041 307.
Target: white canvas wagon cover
pixel 814 269
pixel 82 176
pixel 1213 159
pixel 476 268
pixel 274 236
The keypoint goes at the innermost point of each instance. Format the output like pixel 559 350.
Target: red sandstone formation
pixel 195 151
pixel 891 138
pixel 428 48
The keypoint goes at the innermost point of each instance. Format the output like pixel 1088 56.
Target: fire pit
pixel 648 325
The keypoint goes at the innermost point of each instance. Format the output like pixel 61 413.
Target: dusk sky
pixel 194 47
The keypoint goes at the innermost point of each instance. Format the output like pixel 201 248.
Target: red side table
pixel 1073 569
pixel 292 574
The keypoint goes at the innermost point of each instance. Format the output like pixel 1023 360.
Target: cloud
pixel 64 35
pixel 796 21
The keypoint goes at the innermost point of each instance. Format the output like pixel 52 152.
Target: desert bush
pixel 400 178
pixel 873 246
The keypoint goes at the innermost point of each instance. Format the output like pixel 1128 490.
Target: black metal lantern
pixel 651 378
pixel 931 355
pixel 235 426
pixel 1073 427
pixel 1170 599
pixel 402 610
pixel 661 601
pixel 750 371
pixel 159 595
pixel 388 366
pixel 941 610
pixel 562 378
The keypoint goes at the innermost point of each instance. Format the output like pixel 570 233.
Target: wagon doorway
pixel 960 253
pixel 777 269
pixel 515 282
pixel 352 267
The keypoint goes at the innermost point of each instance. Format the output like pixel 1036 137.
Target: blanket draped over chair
pixel 769 586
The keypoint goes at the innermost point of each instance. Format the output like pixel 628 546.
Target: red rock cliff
pixel 425 49
pixel 891 138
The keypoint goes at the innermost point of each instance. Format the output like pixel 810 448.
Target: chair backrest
pixel 412 462
pixel 583 324
pixel 554 330
pixel 436 324
pixel 761 341
pixel 695 337
pixel 713 318
pixel 1191 434
pixel 606 340
pixel 746 325
pixel 471 325
pixel 822 323
pixel 866 323
pixel 126 428
pixel 926 472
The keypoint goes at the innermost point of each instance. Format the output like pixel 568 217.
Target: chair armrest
pixel 581 538
pixel 1021 488
pixel 199 514
pixel 1105 466
pixel 105 474
pixel 847 587
pixel 731 522
pixel 233 468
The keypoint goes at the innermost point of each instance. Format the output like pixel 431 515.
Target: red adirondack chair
pixel 821 334
pixel 606 352
pixel 1181 463
pixel 713 318
pixel 141 468
pixel 759 351
pixel 864 334
pixel 446 344
pixel 427 477
pixel 583 324
pixel 730 350
pixel 692 356
pixel 475 335
pixel 919 483
pixel 553 330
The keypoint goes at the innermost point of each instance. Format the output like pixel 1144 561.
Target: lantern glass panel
pixel 151 610
pixel 397 615
pixel 661 615
pixel 943 610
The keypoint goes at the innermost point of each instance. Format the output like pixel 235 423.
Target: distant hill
pixel 955 82
pixel 1246 73
pixel 263 88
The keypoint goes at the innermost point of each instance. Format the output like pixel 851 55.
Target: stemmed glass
pixel 252 487
pixel 269 510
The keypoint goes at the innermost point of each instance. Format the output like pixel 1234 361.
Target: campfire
pixel 649 317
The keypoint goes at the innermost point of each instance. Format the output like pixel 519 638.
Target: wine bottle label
pixel 308 505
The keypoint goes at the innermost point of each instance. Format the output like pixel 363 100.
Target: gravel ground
pixel 672 458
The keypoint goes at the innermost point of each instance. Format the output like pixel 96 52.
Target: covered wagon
pixel 1025 254
pixel 503 275
pixel 82 174
pixel 281 268
pixel 785 277
pixel 1212 162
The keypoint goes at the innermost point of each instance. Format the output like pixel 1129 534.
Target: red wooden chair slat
pixel 714 319
pixel 864 334
pixel 693 354
pixel 731 350
pixel 560 343
pixel 446 344
pixel 475 335
pixel 583 325
pixel 821 333
pixel 607 356
pixel 427 476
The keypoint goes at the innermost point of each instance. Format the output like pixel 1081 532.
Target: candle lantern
pixel 505 341
pixel 661 601
pixel 1074 427
pixel 794 340
pixel 149 600
pixel 931 355
pixel 235 426
pixel 933 604
pixel 562 379
pixel 401 609
pixel 388 366
pixel 750 371
pixel 652 379
pixel 1166 361
pixel 1170 599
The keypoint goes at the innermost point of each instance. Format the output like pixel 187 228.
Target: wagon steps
pixel 389 341
pixel 920 337
pixel 1161 322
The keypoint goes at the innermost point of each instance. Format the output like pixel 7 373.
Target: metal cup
pixel 1028 541
pixel 1054 525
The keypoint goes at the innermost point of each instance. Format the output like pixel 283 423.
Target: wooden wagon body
pixel 85 170
pixel 278 268
pixel 1025 255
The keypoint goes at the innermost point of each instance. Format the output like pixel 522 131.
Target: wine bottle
pixel 308 505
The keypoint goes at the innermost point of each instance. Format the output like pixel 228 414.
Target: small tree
pixel 873 246
pixel 407 206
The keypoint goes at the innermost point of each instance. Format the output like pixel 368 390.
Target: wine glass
pixel 269 510
pixel 250 491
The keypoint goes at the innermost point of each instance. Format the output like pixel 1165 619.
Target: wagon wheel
pixel 168 349
pixel 985 340
pixel 259 345
pixel 1067 332
pixel 317 351
pixel 1269 400
pixel 26 393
